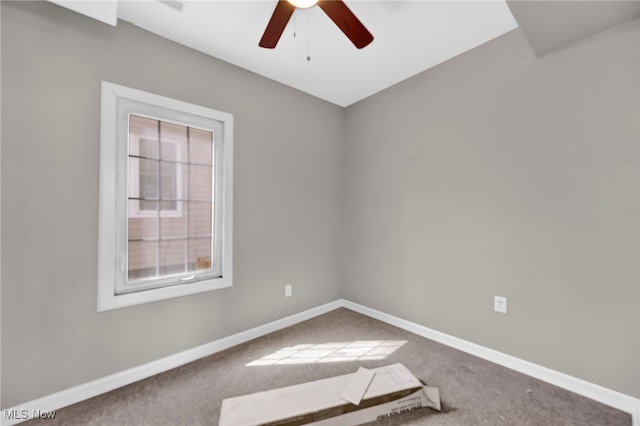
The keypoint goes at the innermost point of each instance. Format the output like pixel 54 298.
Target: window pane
pixel 148 179
pixel 200 219
pixel 143 137
pixel 174 142
pixel 170 166
pixel 200 143
pixel 200 254
pixel 200 182
pixel 173 222
pixel 143 179
pixel 148 148
pixel 142 259
pixel 142 227
pixel 172 257
pixel 148 206
pixel 169 181
pixel 135 176
pixel 169 151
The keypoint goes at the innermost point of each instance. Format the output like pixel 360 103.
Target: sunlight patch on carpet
pixel 360 350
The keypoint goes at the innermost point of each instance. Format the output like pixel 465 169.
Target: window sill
pixel 108 301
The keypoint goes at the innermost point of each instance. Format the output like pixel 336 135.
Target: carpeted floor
pixel 473 391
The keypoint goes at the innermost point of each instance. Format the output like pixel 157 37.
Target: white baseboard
pixel 88 390
pixel 598 393
pixel 96 387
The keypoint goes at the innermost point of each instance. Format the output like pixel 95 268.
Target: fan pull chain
pixel 309 36
pixel 294 25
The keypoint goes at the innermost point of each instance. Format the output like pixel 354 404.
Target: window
pixel 165 198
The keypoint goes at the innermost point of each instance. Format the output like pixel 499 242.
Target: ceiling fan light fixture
pixel 303 4
pixel 336 10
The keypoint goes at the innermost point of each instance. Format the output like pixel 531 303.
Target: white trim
pixel 88 390
pixel 598 393
pixel 105 384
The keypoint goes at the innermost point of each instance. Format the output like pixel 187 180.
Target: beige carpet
pixel 473 391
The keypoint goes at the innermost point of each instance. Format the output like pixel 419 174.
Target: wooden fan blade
pixel 277 24
pixel 347 22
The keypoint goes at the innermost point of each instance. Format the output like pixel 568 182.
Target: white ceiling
pixel 550 25
pixel 409 37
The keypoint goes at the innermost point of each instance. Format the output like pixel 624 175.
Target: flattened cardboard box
pixel 392 390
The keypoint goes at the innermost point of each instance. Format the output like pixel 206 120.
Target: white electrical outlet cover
pixel 500 304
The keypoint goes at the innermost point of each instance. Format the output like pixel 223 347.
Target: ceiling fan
pixel 335 9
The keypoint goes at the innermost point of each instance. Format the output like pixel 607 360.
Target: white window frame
pixel 117 103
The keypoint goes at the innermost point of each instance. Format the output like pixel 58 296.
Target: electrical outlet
pixel 500 304
pixel 287 291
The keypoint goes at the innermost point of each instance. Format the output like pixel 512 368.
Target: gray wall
pixel 497 173
pixel 287 148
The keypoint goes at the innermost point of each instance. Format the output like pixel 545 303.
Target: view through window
pixel 170 225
